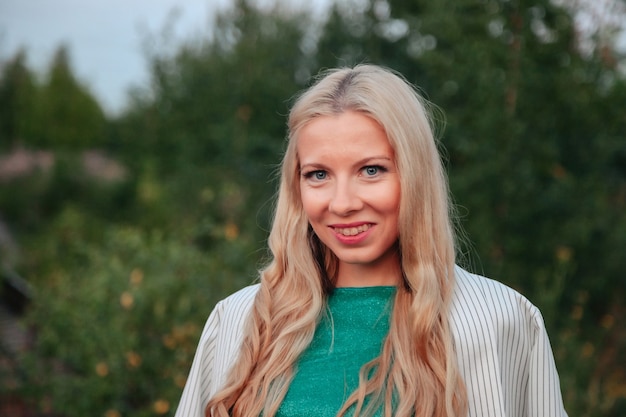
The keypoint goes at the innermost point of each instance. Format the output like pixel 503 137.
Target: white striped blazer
pixel 502 348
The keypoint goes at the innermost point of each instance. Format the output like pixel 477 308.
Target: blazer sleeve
pixel 196 392
pixel 544 390
pixel 217 350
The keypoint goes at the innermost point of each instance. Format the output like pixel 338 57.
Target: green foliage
pixel 17 101
pixel 59 113
pixel 119 319
pixel 30 200
pixel 69 116
pixel 214 122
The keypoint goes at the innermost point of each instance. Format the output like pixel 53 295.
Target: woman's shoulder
pixel 502 349
pixel 474 288
pixel 481 298
pixel 244 295
pixel 227 319
pixel 238 303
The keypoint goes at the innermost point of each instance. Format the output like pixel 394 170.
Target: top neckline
pixel 372 287
pixel 377 290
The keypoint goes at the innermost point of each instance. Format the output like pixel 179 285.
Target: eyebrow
pixel 361 162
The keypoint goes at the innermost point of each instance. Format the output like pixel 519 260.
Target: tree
pixel 68 116
pixel 18 97
pixel 215 116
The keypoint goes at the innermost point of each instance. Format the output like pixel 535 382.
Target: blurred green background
pixel 119 233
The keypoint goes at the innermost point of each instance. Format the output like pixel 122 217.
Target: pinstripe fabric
pixel 502 347
pixel 218 347
pixel 503 351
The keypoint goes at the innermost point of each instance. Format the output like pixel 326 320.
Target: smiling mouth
pixel 352 231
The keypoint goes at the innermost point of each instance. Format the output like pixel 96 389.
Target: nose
pixel 345 199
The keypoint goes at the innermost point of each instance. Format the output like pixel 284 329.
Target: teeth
pixel 352 231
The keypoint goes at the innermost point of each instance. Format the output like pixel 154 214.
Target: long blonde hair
pixel 416 373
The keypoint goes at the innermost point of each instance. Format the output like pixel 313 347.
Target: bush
pixel 117 329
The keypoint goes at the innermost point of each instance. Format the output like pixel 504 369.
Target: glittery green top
pixel 349 336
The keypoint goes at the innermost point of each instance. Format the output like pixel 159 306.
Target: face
pixel 350 191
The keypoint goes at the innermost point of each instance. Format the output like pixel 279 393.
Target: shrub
pixel 116 330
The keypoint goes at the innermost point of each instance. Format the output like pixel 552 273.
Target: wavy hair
pixel 416 373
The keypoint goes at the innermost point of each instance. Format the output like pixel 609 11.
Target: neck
pixel 359 275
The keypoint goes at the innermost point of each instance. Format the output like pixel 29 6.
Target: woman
pixel 361 310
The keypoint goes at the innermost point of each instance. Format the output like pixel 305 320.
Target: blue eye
pixel 318 175
pixel 372 170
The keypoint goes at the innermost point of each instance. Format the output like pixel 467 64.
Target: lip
pixel 356 232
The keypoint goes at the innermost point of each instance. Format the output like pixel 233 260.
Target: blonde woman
pixel 362 311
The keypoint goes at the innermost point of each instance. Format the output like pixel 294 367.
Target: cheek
pixel 388 199
pixel 310 204
pixel 392 208
pixel 396 201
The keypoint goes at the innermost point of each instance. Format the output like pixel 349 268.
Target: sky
pixel 104 37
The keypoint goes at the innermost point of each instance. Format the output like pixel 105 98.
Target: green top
pixel 350 335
